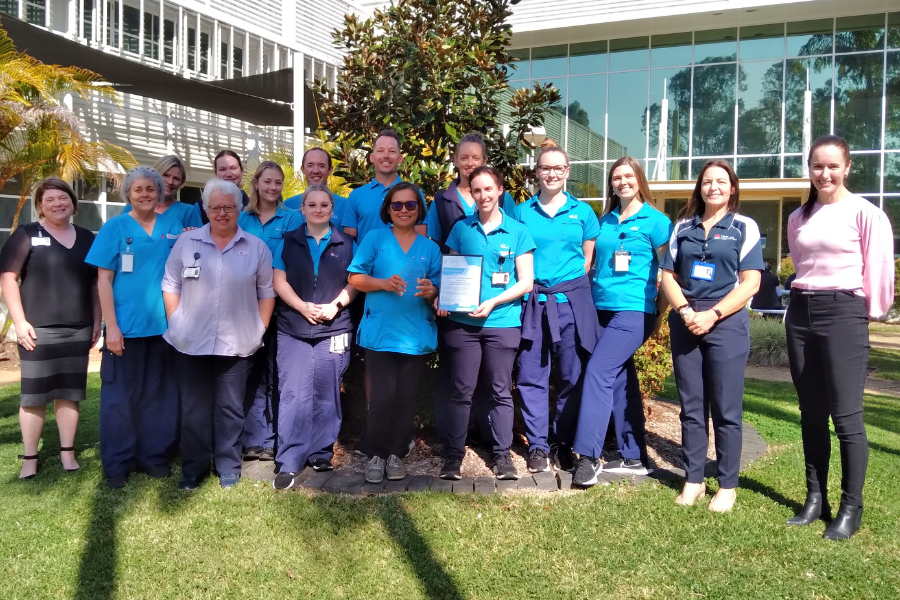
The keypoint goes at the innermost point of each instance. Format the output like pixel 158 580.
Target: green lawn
pixel 887 363
pixel 67 536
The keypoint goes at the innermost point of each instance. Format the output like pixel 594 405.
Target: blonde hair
pixel 253 205
pixel 164 163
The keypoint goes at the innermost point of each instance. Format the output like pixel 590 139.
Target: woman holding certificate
pixel 397 269
pixel 483 343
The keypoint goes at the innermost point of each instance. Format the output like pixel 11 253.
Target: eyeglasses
pixel 410 206
pixel 225 209
pixel 558 170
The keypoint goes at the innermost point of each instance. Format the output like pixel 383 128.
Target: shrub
pixel 768 342
pixel 786 270
pixel 653 361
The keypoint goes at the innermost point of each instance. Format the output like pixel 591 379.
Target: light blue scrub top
pixel 559 256
pixel 641 234
pixel 510 240
pixel 434 222
pixel 340 207
pixel 138 295
pixel 363 211
pixel 187 214
pixel 271 233
pixel 315 250
pixel 392 323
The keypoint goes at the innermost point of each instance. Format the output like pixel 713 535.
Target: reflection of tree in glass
pixel 578 114
pixel 587 189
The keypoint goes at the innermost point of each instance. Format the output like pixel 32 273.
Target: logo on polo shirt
pixel 719 236
pixel 573 216
pixel 635 228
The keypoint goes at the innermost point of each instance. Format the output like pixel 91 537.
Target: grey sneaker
pixel 586 472
pixel 538 461
pixel 504 467
pixel 375 470
pixel 631 466
pixel 395 468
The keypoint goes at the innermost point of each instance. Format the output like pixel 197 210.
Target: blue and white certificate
pixel 460 283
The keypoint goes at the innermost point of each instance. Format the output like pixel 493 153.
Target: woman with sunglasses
pixel 398 269
pixel 559 325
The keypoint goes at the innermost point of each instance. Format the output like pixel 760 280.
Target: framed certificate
pixel 460 283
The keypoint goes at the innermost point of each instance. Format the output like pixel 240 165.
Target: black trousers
pixel 394 379
pixel 828 347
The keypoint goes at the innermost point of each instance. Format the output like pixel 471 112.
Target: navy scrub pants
pixel 478 353
pixel 309 412
pixel 828 347
pixel 533 379
pixel 261 398
pixel 611 387
pixel 138 406
pixel 395 381
pixel 212 415
pixel 709 375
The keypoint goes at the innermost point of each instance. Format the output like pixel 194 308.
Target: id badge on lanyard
pixel 192 272
pixel 500 278
pixel 128 257
pixel 40 240
pixel 703 271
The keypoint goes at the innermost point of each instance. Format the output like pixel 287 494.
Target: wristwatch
pixel 339 306
pixel 718 313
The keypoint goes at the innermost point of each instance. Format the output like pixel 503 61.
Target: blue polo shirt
pixel 138 295
pixel 393 323
pixel 558 256
pixel 641 234
pixel 509 240
pixel 274 229
pixel 315 251
pixel 363 211
pixel 340 207
pixel 732 246
pixel 187 214
pixel 433 222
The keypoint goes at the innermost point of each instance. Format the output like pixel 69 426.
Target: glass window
pixel 893 37
pixel 587 180
pixel 674 206
pixel 673 50
pixel 697 164
pixel 892 99
pixel 237 63
pixel 151 35
pixel 627 113
pixel 717 45
pixel 713 130
pixel 788 205
pixel 519 66
pixel 857 99
pixel 793 166
pixel 169 41
pixel 629 54
pixel 865 174
pixel 865 32
pixel 764 41
pixel 555 118
pixel 223 61
pixel 807 38
pixel 112 24
pixel 9 7
pixel 587 115
pixel 677 84
pixel 891 172
pixel 767 214
pixel 88 216
pixel 759 167
pixel 8 208
pixel 588 58
pixel 114 210
pixel 819 71
pixel 677 169
pixel 36 12
pixel 87 17
pixel 892 208
pixel 131 25
pixel 86 190
pixel 549 61
pixel 13 186
pixel 759 107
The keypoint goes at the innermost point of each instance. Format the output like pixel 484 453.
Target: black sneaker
pixel 586 472
pixel 561 458
pixel 189 482
pixel 252 453
pixel 504 468
pixel 632 466
pixel 284 481
pixel 117 482
pixel 452 469
pixel 322 464
pixel 538 461
pixel 267 454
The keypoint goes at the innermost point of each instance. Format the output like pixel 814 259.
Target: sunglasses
pixel 410 206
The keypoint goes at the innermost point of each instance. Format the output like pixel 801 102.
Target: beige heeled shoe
pixel 723 501
pixel 688 500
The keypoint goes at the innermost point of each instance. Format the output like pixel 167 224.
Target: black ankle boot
pixel 845 524
pixel 816 507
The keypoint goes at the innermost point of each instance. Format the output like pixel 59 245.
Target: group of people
pixel 229 325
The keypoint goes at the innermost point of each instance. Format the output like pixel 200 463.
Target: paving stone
pixel 372 488
pixel 666 474
pixel 485 485
pixel 565 480
pixel 546 481
pixel 504 485
pixel 334 485
pixel 353 483
pixel 302 476
pixel 527 483
pixel 466 485
pixel 266 472
pixel 392 487
pixel 441 485
pixel 318 480
pixel 419 483
pixel 250 468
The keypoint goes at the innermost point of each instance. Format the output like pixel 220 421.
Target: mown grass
pixel 886 363
pixel 67 536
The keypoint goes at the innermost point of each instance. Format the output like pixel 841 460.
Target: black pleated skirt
pixel 57 368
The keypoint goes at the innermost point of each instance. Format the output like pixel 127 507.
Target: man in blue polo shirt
pixel 317 167
pixel 363 212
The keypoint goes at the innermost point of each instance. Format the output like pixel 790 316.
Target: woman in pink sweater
pixel 843 252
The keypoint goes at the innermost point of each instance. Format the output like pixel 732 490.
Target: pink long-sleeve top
pixel 847 245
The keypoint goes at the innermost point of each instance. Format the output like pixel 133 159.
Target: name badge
pixel 40 241
pixel 500 278
pixel 171 236
pixel 703 271
pixel 190 272
pixel 127 262
pixel 621 260
pixel 340 343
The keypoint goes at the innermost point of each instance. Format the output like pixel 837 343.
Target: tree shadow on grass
pixel 764 490
pixel 97 569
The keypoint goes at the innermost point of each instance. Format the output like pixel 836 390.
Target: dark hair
pixel 320 149
pixel 230 153
pixel 52 183
pixel 612 201
pixel 473 137
pixel 825 140
pixel 391 133
pixel 487 170
pixel 388 198
pixel 695 206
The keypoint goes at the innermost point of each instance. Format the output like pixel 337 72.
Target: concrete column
pixel 299 97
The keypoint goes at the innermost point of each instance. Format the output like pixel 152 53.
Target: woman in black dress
pixel 56 313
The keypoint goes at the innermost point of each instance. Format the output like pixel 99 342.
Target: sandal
pixel 29 457
pixel 69 449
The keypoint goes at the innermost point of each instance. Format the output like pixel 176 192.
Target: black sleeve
pixel 16 251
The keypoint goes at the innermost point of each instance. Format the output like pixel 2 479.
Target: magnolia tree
pixel 433 70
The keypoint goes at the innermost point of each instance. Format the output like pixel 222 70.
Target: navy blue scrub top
pixel 733 245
